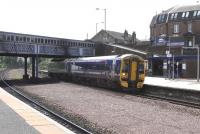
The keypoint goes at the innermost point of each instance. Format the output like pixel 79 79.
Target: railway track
pixel 189 99
pixel 168 97
pixel 65 122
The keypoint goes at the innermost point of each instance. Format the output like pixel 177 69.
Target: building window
pixel 176 28
pixel 189 43
pixel 190 27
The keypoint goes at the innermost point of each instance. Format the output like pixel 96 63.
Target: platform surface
pixel 18 118
pixel 187 84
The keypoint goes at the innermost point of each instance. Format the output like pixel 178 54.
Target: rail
pixel 187 98
pixel 13 90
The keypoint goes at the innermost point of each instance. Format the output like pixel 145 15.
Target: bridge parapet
pixel 23 44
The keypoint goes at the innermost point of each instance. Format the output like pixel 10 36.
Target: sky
pixel 76 19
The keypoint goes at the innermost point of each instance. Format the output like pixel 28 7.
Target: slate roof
pixel 182 8
pixel 117 35
pixel 175 9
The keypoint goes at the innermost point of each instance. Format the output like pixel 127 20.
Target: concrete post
pixel 25 76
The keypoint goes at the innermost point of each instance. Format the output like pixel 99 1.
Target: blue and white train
pixel 125 71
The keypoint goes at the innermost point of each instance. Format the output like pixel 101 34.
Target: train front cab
pixel 132 73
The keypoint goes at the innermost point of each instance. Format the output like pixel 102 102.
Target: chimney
pixel 134 38
pixel 125 35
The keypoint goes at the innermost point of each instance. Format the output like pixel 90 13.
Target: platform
pixel 18 118
pixel 187 84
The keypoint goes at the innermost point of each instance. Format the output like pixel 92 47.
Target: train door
pixel 133 71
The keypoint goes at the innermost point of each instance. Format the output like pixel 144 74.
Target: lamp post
pixel 104 15
pixel 97 26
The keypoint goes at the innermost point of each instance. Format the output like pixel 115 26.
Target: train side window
pixel 20 39
pixel 35 40
pixel 32 40
pixel 117 67
pixel 141 68
pixel 39 40
pixel 8 38
pixel 4 37
pixel 54 42
pixel 46 41
pixel 24 39
pixel 51 41
pixel 42 41
pixel 28 39
pixel 17 38
pixel 12 38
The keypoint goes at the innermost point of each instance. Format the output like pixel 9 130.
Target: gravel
pixel 106 111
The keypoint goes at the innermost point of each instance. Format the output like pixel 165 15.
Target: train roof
pixel 111 57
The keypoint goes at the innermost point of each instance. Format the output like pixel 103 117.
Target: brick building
pixel 175 36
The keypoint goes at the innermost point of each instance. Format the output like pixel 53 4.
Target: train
pixel 125 71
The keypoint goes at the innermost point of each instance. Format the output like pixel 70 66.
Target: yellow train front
pixel 132 73
pixel 125 71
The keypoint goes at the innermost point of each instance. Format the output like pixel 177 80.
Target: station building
pixel 173 46
pixel 175 40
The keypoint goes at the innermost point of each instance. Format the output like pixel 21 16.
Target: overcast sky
pixel 73 19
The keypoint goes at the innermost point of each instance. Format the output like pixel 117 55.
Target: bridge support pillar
pixel 33 67
pixel 36 67
pixel 25 76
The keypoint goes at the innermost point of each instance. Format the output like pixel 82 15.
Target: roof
pixel 117 35
pixel 163 17
pixel 181 8
pixel 127 48
pixel 153 21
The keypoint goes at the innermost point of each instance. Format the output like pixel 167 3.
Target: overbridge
pixel 34 46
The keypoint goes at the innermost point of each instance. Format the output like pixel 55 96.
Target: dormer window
pixel 198 13
pixel 175 15
pixel 194 13
pixel 183 15
pixel 172 16
pixel 187 14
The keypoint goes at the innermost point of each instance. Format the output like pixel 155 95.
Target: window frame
pixel 176 27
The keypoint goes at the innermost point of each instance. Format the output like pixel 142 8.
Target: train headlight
pixel 141 76
pixel 123 74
